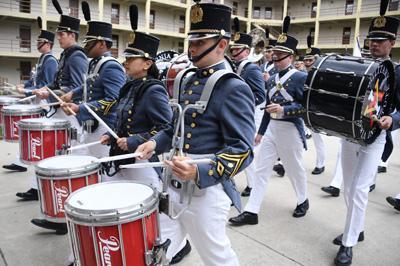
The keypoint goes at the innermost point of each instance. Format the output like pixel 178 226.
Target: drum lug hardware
pixel 157 255
pixel 163 205
pixel 74 134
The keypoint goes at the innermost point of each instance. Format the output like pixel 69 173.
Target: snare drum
pixel 41 138
pixel 12 114
pixel 114 223
pixel 339 91
pixel 6 100
pixel 59 176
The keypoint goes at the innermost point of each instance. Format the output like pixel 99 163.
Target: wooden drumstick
pixel 93 113
pixel 163 164
pixel 118 157
pixel 49 104
pixel 83 146
pixel 26 98
pixel 59 100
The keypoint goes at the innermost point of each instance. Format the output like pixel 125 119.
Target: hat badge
pixel 196 14
pixel 308 51
pixel 282 38
pixel 380 22
pixel 131 38
pixel 236 37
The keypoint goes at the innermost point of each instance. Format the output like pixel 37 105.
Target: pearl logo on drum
pixel 35 144
pixel 106 246
pixel 60 195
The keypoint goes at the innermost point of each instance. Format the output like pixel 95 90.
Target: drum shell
pixel 334 98
pixel 42 139
pixel 96 232
pixel 4 101
pixel 11 115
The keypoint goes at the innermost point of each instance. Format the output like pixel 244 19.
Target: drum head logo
pixel 106 246
pixel 378 101
pixel 60 194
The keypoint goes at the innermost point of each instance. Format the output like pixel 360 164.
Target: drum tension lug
pixel 157 256
pixel 163 205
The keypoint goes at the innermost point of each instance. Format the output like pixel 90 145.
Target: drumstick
pixel 26 98
pixel 93 113
pixel 59 99
pixel 48 104
pixel 118 157
pixel 83 146
pixel 163 164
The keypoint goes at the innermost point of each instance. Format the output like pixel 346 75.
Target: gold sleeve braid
pixel 230 163
pixel 106 105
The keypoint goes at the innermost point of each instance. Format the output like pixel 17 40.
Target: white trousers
pixel 250 171
pixel 284 139
pixel 204 221
pixel 338 174
pixel 359 167
pixel 319 148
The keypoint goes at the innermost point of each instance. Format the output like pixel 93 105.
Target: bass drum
pixel 345 96
pixel 182 62
pixel 163 63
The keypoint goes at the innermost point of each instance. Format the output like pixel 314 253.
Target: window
pixel 115 13
pixel 268 13
pixel 25 6
pixel 74 8
pixel 25 39
pixel 346 35
pixel 25 68
pixel 349 7
pixel 312 33
pixel 152 18
pixel 181 24
pixel 246 12
pixel 180 47
pixel 394 5
pixel 256 12
pixel 115 45
pixel 313 9
pixel 235 7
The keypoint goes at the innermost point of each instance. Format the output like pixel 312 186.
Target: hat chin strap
pixel 278 60
pixel 195 59
pixel 40 46
pixel 240 52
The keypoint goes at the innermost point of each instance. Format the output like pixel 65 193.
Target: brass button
pixel 189 135
pixel 210 172
pixel 90 98
pixel 205 73
pixel 196 83
pixel 130 112
pixel 194 115
pixel 211 71
pixel 190 92
pixel 102 107
pixel 186 102
pixel 144 79
pixel 187 146
pixel 193 125
pixel 129 120
pixel 128 126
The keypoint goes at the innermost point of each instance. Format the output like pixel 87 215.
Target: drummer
pixel 224 132
pixel 360 162
pixel 312 53
pixel 45 73
pixel 284 131
pixel 251 73
pixel 105 78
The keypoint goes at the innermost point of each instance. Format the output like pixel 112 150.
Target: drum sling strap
pixel 279 85
pixel 267 68
pixel 241 66
pixel 99 64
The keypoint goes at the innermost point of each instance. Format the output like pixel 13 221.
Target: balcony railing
pixel 17 46
pixel 22 6
pixel 339 11
pixel 299 14
pixel 336 40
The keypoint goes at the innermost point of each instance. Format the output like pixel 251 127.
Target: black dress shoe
pixel 344 256
pixel 338 239
pixel 301 209
pixel 394 202
pixel 279 169
pixel 15 167
pixel 31 194
pixel 371 187
pixel 334 191
pixel 318 170
pixel 246 192
pixel 60 228
pixel 182 253
pixel 244 218
pixel 382 169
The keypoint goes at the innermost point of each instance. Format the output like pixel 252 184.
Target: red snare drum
pixel 12 114
pixel 41 138
pixel 6 100
pixel 114 223
pixel 59 176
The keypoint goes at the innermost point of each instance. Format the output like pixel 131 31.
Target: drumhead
pixel 22 109
pixel 67 166
pixel 5 100
pixel 108 202
pixel 43 123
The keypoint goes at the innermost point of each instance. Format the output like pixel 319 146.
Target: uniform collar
pixel 208 71
pixel 286 70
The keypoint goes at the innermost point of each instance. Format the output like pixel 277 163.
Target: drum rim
pixel 7 100
pixel 62 173
pixel 111 216
pixel 33 109
pixel 48 124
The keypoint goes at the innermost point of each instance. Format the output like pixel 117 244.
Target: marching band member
pixel 312 53
pixel 360 162
pixel 73 63
pixel 44 75
pixel 105 78
pixel 252 75
pixel 223 132
pixel 284 131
